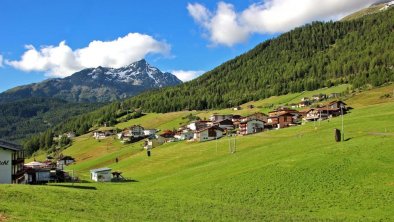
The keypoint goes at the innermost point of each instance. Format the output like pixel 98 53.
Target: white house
pixel 200 124
pixel 11 163
pixel 131 133
pixel 149 132
pixel 209 133
pixel 104 132
pixel 250 126
pixel 185 134
pixel 101 174
pixel 70 135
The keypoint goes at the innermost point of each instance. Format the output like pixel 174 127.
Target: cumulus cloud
pixel 227 27
pixel 185 76
pixel 61 60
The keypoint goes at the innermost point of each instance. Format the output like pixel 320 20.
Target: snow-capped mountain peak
pixel 101 84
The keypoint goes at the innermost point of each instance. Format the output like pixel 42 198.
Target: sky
pixel 44 39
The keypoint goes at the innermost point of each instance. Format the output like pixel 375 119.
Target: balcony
pixel 18 161
pixel 18 174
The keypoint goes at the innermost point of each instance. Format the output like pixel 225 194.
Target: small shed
pixel 101 174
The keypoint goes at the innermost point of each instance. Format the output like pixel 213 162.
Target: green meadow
pixel 293 174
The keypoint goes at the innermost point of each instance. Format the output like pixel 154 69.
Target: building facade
pixel 11 163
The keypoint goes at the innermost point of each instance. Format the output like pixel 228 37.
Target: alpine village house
pixel 11 163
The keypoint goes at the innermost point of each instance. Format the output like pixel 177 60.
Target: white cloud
pixel 61 60
pixel 227 27
pixel 1 61
pixel 185 76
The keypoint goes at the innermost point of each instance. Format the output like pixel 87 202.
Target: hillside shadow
pixel 75 186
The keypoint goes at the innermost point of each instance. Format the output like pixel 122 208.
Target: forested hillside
pixel 317 55
pixel 26 117
pixel 358 52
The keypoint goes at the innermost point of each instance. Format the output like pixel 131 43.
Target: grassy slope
pixel 367 11
pixel 298 173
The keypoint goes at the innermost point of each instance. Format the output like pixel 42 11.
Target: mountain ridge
pixel 100 84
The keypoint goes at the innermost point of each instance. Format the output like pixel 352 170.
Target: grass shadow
pixel 125 181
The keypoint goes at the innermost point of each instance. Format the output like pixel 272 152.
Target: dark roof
pixel 67 158
pixel 226 121
pixel 10 146
pixel 210 127
pixel 333 102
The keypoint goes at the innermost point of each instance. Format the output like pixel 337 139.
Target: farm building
pixel 185 134
pixel 209 133
pixel 220 117
pixel 11 163
pixel 64 161
pixel 337 105
pixel 237 108
pixel 104 132
pixel 226 124
pixel 150 132
pixel 38 175
pixel 250 126
pixel 154 142
pixel 303 104
pixel 200 124
pixel 133 133
pixel 101 174
pixel 282 120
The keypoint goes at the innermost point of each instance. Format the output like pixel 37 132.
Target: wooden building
pixel 250 126
pixel 209 133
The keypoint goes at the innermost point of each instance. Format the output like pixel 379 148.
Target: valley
pixel 294 173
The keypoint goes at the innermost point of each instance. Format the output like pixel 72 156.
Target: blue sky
pixel 173 35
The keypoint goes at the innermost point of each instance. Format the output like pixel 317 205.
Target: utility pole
pixel 343 133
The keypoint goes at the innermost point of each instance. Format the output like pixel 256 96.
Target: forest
pixel 26 117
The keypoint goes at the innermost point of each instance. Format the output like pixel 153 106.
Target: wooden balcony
pixel 18 161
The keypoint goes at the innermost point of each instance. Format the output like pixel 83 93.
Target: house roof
pixel 67 158
pixel 254 119
pixel 100 170
pixel 226 121
pixel 215 127
pixel 333 102
pixel 10 146
pixel 106 129
pixel 281 114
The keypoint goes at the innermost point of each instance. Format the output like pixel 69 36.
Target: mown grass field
pixel 293 174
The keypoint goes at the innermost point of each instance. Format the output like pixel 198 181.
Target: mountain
pixel 322 54
pixel 99 84
pixel 377 7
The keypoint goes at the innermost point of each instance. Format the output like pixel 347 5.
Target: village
pixel 214 128
pixel 219 125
